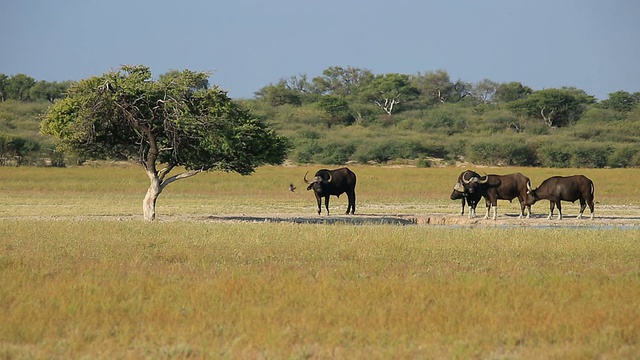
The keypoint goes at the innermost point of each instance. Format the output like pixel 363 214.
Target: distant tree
pixel 172 122
pixel 436 87
pixel 620 101
pixel 389 90
pixel 18 87
pixel 300 84
pixel 557 107
pixel 4 79
pixel 13 149
pixel 50 91
pixel 346 82
pixel 484 91
pixel 279 94
pixel 461 89
pixel 337 110
pixel 581 95
pixel 175 77
pixel 512 91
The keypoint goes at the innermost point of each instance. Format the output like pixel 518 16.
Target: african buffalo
pixel 499 187
pixel 460 193
pixel 563 188
pixel 333 182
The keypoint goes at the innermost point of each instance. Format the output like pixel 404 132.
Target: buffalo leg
pixel 552 206
pixel 472 208
pixel 488 205
pixel 352 203
pixel 522 207
pixel 462 210
pixel 319 200
pixel 326 203
pixel 559 210
pixel 583 205
pixel 590 202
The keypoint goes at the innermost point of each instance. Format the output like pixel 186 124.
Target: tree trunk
pixel 149 203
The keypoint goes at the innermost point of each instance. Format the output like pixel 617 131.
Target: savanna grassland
pixel 84 277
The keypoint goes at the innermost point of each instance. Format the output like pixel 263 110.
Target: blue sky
pixel 247 44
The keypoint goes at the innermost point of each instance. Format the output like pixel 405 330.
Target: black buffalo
pixel 333 182
pixel 460 193
pixel 563 188
pixel 500 187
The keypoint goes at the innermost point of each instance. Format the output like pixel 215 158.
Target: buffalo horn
pixel 458 187
pixel 486 178
pixel 305 177
pixel 330 177
pixel 530 188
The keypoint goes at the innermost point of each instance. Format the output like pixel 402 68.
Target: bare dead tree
pixel 548 119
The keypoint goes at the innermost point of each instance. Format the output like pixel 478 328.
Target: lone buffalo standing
pixel 333 182
pixel 563 188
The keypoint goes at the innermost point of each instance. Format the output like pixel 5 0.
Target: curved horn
pixel 458 187
pixel 330 177
pixel 468 181
pixel 486 178
pixel 305 177
pixel 528 186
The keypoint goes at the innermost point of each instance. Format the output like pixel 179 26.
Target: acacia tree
pixel 389 90
pixel 557 107
pixel 176 122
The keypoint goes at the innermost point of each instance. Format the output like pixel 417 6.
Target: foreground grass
pixel 111 289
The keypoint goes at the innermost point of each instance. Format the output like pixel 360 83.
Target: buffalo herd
pixel 470 188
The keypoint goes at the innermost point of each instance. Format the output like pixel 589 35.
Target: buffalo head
pixel 318 182
pixel 473 182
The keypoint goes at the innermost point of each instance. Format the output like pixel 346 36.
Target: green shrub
pixel 590 156
pixel 598 115
pixel 382 151
pixel 423 162
pixel 455 148
pixel 499 121
pixel 502 152
pixel 554 155
pixel 430 148
pixel 624 156
pixel 303 151
pixel 322 152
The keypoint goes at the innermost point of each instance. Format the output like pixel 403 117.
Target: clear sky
pixel 248 44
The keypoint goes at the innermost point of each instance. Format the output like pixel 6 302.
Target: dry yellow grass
pixel 77 285
pixel 76 289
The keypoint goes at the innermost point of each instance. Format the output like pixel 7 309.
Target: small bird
pixel 292 188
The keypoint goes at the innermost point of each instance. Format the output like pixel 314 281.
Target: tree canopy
pixel 175 121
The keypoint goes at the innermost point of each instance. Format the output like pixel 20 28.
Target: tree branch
pixel 184 175
pixel 548 119
pixel 163 172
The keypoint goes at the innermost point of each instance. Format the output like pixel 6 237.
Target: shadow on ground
pixel 440 219
pixel 351 220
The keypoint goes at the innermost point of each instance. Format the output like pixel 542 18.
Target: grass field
pixel 84 277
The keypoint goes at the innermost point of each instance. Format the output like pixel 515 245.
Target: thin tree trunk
pixel 157 183
pixel 149 202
